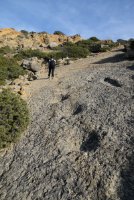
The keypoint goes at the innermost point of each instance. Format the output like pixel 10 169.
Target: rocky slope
pixel 79 145
pixel 14 39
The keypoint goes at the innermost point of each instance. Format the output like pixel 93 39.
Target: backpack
pixel 52 63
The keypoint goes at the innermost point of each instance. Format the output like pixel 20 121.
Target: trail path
pixel 79 144
pixel 66 70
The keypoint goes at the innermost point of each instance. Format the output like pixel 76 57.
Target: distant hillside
pixel 23 39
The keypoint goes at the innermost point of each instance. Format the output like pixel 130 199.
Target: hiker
pixel 51 67
pixel 67 60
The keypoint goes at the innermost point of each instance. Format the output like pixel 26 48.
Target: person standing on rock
pixel 51 67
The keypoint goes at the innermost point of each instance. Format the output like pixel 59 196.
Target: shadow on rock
pixel 127 181
pixel 112 82
pixel 114 59
pixel 79 108
pixel 132 77
pixel 131 67
pixel 91 143
pixel 64 97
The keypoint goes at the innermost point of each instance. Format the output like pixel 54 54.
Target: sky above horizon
pixel 105 19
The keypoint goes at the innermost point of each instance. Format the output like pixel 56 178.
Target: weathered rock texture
pixel 14 39
pixel 79 145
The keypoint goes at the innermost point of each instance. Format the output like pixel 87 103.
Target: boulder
pixel 34 67
pixel 32 76
pixel 15 88
pixel 32 64
pixel 53 44
pixel 26 64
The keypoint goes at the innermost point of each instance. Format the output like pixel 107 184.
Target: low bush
pixel 76 52
pixel 14 117
pixel 9 69
pixel 95 48
pixel 24 32
pixel 85 43
pixel 29 53
pixel 5 50
pixel 94 39
pixel 90 45
pixel 58 33
pixel 72 50
pixel 56 55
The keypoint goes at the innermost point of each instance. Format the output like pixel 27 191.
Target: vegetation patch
pixel 9 69
pixel 73 51
pixel 58 33
pixel 14 117
pixel 95 45
pixel 80 49
pixel 6 50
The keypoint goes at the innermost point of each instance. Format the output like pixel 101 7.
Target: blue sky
pixel 105 19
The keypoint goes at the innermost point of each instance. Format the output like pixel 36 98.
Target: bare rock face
pixel 79 145
pixel 14 39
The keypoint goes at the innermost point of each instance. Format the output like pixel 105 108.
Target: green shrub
pixel 32 32
pixel 69 48
pixel 76 52
pixel 9 69
pixel 39 54
pixel 70 44
pixel 14 117
pixel 29 53
pixel 5 50
pixel 24 32
pixel 56 55
pixel 95 48
pixel 94 39
pixel 58 33
pixel 72 50
pixel 84 43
